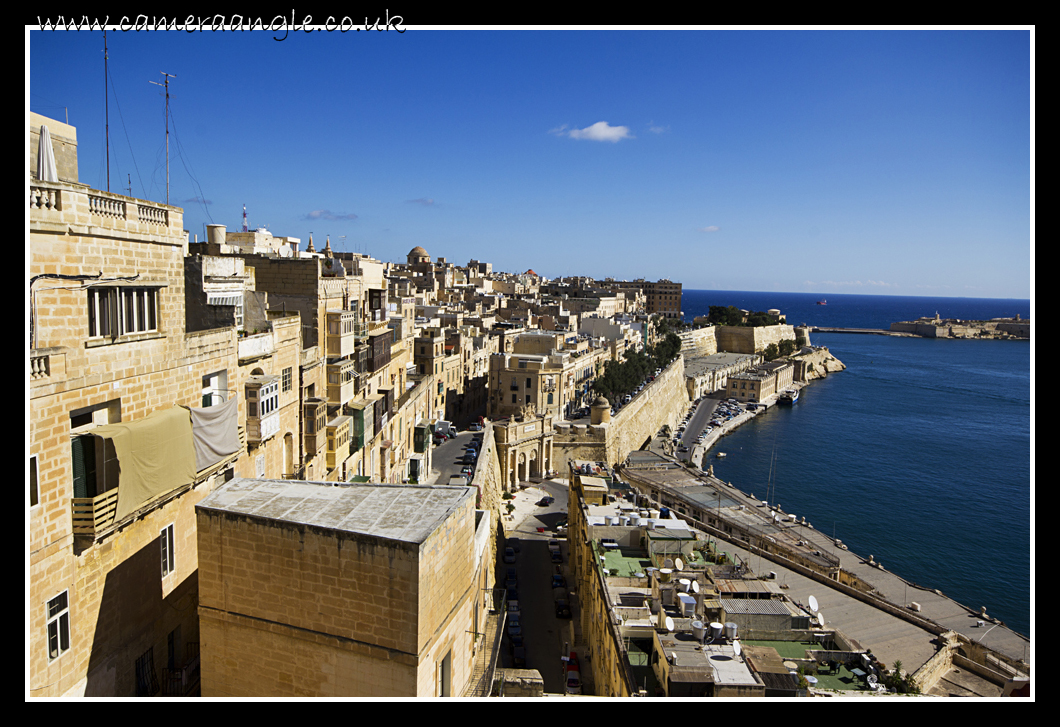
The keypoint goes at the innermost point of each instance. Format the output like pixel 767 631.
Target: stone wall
pixel 740 339
pixel 663 401
pixel 699 341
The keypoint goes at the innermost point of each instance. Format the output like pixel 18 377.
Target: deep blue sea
pixel 918 454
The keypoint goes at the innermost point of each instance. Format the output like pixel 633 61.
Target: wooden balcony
pixel 94 516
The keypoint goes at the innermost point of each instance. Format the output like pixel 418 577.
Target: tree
pixel 771 352
pixel 787 347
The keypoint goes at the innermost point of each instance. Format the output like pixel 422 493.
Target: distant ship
pixel 822 302
pixel 789 397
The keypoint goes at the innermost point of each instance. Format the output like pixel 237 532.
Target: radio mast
pixel 168 76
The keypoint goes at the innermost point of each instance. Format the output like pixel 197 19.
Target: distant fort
pixel 955 328
pixel 934 327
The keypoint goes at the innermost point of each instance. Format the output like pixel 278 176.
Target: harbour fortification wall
pixel 699 341
pixel 663 401
pixel 742 339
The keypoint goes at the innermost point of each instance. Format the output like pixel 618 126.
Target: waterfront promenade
pixel 892 633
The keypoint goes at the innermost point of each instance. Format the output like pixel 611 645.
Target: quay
pixel 876 331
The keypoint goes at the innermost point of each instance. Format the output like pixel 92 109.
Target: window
pixel 34 495
pixel 58 625
pixel 146 682
pixel 114 312
pixel 168 558
pixel 287 378
pixel 214 387
pixel 515 398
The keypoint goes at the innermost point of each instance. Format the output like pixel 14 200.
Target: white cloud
pixel 328 215
pixel 657 129
pixel 712 228
pixel 600 131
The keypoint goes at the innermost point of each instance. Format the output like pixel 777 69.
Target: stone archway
pixel 533 464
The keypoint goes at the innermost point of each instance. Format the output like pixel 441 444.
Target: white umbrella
pixel 46 171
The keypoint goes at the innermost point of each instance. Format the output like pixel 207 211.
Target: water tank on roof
pixel 699 630
pixel 730 631
pixel 688 605
pixel 716 630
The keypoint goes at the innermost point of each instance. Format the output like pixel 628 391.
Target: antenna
pixel 106 95
pixel 166 84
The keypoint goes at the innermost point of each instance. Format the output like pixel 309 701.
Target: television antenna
pixel 166 84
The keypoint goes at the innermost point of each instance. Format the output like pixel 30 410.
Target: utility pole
pixel 166 84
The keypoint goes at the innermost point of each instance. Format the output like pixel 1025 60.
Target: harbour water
pixel 918 454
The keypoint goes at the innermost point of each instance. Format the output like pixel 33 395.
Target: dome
pixel 601 401
pixel 417 251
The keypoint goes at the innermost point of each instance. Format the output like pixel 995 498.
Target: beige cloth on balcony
pixel 155 456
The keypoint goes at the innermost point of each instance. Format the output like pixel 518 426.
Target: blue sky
pixel 829 161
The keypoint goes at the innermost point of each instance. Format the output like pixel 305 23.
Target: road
pixel 545 636
pixel 446 460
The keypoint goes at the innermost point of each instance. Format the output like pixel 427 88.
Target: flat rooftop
pixel 408 513
pixel 692 661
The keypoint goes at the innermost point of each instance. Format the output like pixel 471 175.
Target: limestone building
pixel 310 589
pixel 121 398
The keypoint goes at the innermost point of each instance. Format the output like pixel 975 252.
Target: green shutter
pixel 84 456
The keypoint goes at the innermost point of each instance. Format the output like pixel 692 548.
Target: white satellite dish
pixel 813 604
pixel 872 681
pixel 736 647
pixel 679 564
pixel 820 618
pixel 695 586
pixel 669 624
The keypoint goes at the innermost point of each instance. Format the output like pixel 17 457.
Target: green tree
pixel 771 352
pixel 787 347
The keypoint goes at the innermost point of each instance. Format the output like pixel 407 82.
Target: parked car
pixel 514 627
pixel 562 608
pixel 513 609
pixel 546 500
pixel 559 582
pixel 514 544
pixel 519 657
pixel 475 428
pixel 509 555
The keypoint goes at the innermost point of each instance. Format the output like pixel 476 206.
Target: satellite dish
pixel 669 624
pixel 695 586
pixel 679 564
pixel 813 604
pixel 872 681
pixel 820 618
pixel 736 647
pixel 667 563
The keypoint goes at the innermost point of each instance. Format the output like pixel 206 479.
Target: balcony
pixel 488 649
pixel 62 205
pixel 345 330
pixel 94 517
pixel 343 381
pixel 257 346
